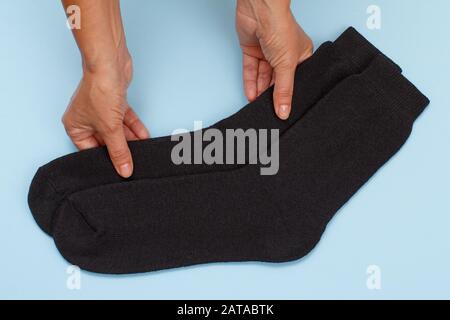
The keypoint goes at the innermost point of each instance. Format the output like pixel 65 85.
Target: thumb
pixel 119 152
pixel 284 87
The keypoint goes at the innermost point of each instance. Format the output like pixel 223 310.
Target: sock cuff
pixel 358 49
pixel 385 77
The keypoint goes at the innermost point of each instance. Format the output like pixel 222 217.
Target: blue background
pixel 188 67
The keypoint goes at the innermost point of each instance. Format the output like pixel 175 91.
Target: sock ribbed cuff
pixel 392 84
pixel 358 49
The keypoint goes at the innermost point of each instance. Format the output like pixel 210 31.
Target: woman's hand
pixel 99 112
pixel 273 44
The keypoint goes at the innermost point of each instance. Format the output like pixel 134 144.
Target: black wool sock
pixel 332 62
pixel 240 215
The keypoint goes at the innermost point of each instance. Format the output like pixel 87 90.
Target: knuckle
pixel 67 118
pixel 119 155
pixel 68 125
pixel 64 120
pixel 132 120
pixel 249 68
pixel 284 93
pixel 265 75
pixel 287 65
pixel 109 128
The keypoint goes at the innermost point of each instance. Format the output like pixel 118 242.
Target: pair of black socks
pixel 352 110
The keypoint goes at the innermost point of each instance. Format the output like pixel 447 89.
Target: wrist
pixel 266 13
pixel 116 66
pixel 258 5
pixel 113 60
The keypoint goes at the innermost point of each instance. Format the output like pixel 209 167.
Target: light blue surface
pixel 188 67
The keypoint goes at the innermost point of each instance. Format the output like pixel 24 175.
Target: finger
pixel 264 76
pixel 250 75
pixel 284 87
pixel 86 143
pixel 129 135
pixel 118 151
pixel 99 138
pixel 133 122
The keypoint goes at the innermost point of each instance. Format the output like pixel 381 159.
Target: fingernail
pixel 125 170
pixel 283 112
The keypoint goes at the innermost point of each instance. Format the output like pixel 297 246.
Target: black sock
pixel 349 54
pixel 240 215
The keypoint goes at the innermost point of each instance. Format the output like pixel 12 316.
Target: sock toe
pixel 43 200
pixel 76 237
